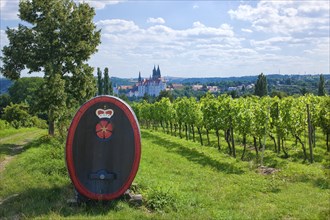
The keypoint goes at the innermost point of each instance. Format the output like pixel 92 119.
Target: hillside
pixel 4 85
pixel 272 77
pixel 291 84
pixel 177 178
pixel 288 84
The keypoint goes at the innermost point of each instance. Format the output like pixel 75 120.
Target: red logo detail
pixel 104 129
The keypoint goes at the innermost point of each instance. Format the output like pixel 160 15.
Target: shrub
pixel 17 115
pixel 4 124
pixel 16 112
pixel 37 122
pixel 160 201
pixel 64 122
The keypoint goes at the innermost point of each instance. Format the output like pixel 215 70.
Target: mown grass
pixel 11 139
pixel 178 179
pixel 11 131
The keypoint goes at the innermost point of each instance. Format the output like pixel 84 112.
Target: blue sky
pixel 206 38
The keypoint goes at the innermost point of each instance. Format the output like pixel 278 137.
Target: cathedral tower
pixel 140 79
pixel 156 73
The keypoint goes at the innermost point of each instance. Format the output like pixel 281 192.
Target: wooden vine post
pixel 310 135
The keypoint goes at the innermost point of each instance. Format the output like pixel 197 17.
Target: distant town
pixel 155 83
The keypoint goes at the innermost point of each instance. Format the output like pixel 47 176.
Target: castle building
pixel 152 86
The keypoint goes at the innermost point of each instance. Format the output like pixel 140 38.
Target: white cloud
pixel 320 48
pixel 100 4
pixel 314 6
pixel 195 6
pixel 117 25
pixel 216 50
pixel 198 24
pixel 200 30
pixel 292 45
pixel 9 9
pixel 246 30
pixel 271 41
pixel 284 17
pixel 293 35
pixel 2 4
pixel 289 35
pixel 3 40
pixel 156 20
pixel 127 42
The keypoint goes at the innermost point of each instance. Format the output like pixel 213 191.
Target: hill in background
pixel 4 85
pixel 291 84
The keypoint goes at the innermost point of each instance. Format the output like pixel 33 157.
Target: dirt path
pixel 15 150
pixel 18 147
pixel 5 162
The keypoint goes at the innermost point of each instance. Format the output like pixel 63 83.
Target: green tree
pixel 165 94
pixel 304 91
pixel 144 113
pixel 179 114
pixel 227 113
pixel 165 111
pixel 25 90
pixel 198 121
pixel 17 114
pixel 298 120
pixel 106 82
pixel 147 98
pixel 209 108
pixel 123 97
pixel 110 87
pixel 233 94
pixel 60 36
pixel 4 101
pixel 283 123
pixel 275 123
pixel 261 86
pixel 279 94
pixel 52 99
pixel 99 82
pixel 324 119
pixel 261 121
pixel 321 90
pixel 245 118
pixel 189 114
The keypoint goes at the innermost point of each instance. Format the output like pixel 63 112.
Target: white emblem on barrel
pixel 104 113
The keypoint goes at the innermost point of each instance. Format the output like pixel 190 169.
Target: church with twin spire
pixel 152 86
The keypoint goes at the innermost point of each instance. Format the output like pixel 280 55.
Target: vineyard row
pixel 258 118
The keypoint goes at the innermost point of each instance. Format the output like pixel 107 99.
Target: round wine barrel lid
pixel 103 148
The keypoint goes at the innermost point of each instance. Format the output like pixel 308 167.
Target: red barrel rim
pixel 69 147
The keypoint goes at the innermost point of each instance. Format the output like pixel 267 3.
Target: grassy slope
pixel 177 178
pixel 11 138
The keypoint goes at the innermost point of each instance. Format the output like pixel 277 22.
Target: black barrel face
pixel 103 148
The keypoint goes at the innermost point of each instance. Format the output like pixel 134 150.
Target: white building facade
pixel 152 86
